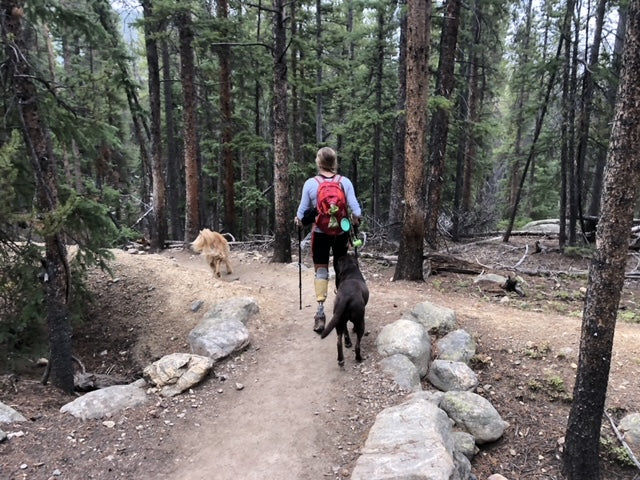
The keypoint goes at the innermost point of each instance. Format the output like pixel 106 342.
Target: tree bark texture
pixel 192 174
pixel 159 229
pixel 538 128
pixel 226 109
pixel 410 261
pixel 610 96
pixel 439 123
pixel 396 207
pixel 282 240
pixel 588 86
pixel 606 272
pixel 39 148
pixel 377 128
pixel 174 184
pixel 473 108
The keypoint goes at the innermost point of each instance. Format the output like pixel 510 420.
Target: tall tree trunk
pixel 319 94
pixel 523 65
pixel 606 273
pixel 439 124
pixel 192 174
pixel 159 230
pixel 174 183
pixel 282 240
pixel 571 179
pixel 226 109
pixel 410 261
pixel 140 126
pixel 588 86
pixel 565 159
pixel 396 207
pixel 297 133
pixel 461 113
pixel 38 147
pixel 472 112
pixel 610 96
pixel 377 129
pixel 538 128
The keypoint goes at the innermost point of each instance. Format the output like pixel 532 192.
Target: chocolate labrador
pixel 349 305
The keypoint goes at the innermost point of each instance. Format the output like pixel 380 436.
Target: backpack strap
pixel 320 179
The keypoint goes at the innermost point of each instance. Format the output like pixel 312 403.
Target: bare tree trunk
pixel 192 174
pixel 472 112
pixel 282 241
pixel 587 105
pixel 523 62
pixel 538 129
pixel 159 230
pixel 226 108
pixel 610 95
pixel 396 207
pixel 174 183
pixel 439 124
pixel 606 273
pixel 571 178
pixel 377 129
pixel 38 146
pixel 565 159
pixel 410 262
pixel 319 95
pixel 462 148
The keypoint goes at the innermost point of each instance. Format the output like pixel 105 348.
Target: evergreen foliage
pixel 91 78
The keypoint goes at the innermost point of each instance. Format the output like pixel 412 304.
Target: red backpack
pixel 331 205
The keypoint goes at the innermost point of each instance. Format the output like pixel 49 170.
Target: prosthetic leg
pixel 321 284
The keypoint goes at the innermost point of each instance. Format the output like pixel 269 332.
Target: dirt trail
pixel 281 424
pixel 285 409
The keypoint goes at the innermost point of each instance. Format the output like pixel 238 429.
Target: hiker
pixel 326 201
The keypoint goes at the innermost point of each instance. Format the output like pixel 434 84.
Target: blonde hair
pixel 327 159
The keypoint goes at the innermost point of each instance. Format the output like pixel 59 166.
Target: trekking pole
pixel 300 263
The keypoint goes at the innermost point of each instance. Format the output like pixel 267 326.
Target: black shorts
pixel 322 245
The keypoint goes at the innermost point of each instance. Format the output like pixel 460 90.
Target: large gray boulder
pixel 9 415
pixel 408 338
pixel 448 375
pixel 435 319
pixel 236 308
pixel 475 415
pixel 107 401
pixel 457 346
pixel 402 371
pixel 177 372
pixel 408 441
pixel 222 331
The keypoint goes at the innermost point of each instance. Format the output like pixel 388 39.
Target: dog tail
pixel 337 314
pixel 330 326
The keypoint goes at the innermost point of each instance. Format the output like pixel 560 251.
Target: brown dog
pixel 349 305
pixel 215 249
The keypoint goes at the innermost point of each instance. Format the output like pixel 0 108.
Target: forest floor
pixel 284 409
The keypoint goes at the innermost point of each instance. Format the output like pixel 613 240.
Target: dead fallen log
pixel 447 263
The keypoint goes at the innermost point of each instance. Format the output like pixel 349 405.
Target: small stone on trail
pixel 195 306
pixel 239 386
pixel 109 423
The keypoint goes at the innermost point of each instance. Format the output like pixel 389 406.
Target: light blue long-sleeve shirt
pixel 309 197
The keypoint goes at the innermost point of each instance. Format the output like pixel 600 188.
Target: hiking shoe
pixel 319 319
